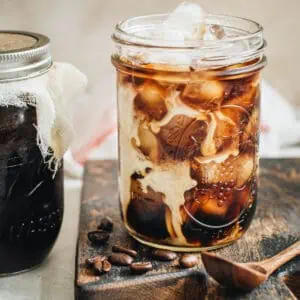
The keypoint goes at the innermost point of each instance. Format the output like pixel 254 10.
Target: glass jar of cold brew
pixel 188 129
pixel 31 193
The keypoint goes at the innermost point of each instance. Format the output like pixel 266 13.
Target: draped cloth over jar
pixel 51 95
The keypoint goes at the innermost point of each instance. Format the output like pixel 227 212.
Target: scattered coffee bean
pixel 106 224
pixel 164 255
pixel 140 267
pixel 92 260
pixel 148 170
pixel 136 176
pixel 99 237
pixel 98 267
pixel 121 249
pixel 188 260
pixel 106 266
pixel 120 259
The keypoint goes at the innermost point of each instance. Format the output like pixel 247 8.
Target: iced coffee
pixel 188 135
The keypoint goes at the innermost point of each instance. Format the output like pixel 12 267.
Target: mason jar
pixel 31 193
pixel 188 115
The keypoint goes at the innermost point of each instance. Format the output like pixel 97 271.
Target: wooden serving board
pixel 275 226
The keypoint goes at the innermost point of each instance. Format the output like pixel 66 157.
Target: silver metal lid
pixel 23 54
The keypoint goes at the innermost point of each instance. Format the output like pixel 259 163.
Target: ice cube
pixel 228 127
pixel 186 20
pixel 212 173
pixel 233 172
pixel 149 145
pixel 205 94
pixel 213 205
pixel 217 204
pixel 185 24
pixel 152 93
pixel 243 168
pixel 207 206
pixel 150 100
pixel 242 92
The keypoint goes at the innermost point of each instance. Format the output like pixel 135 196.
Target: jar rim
pixel 126 32
pixel 139 41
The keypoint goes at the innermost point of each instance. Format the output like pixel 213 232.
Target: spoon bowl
pixel 226 272
pixel 246 276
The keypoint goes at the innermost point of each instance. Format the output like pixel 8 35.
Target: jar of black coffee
pixel 31 178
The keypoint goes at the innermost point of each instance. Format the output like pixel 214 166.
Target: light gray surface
pixel 54 279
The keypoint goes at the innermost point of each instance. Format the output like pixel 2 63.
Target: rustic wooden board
pixel 276 226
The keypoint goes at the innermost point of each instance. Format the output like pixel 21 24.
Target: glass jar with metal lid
pixel 31 193
pixel 188 107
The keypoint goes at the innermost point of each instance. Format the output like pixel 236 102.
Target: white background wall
pixel 80 31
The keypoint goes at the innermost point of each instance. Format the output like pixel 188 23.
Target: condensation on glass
pixel 188 132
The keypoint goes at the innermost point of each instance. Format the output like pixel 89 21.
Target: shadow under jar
pixel 31 197
pixel 188 132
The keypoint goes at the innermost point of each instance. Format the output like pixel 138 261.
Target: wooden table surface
pixel 275 226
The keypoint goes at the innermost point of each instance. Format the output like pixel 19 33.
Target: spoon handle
pixel 273 263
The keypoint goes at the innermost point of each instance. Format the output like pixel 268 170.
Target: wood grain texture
pixel 275 226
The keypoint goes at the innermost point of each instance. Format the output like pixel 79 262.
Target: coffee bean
pixel 106 266
pixel 98 267
pixel 106 224
pixel 140 267
pixel 164 255
pixel 120 259
pixel 188 260
pixel 98 237
pixel 92 260
pixel 121 249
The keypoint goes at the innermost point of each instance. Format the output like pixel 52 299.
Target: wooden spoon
pixel 246 276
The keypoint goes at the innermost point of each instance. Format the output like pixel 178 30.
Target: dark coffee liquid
pixel 188 146
pixel 31 200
